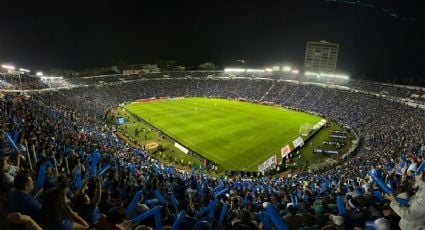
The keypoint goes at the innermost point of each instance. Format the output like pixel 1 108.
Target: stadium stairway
pixel 267 92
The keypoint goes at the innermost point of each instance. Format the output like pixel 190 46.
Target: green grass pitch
pixel 236 135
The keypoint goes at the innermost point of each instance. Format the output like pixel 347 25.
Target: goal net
pixel 305 129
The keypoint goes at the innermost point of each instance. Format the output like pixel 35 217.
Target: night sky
pixel 381 39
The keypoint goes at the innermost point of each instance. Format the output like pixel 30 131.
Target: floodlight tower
pixel 23 71
pixel 8 67
pixel 243 62
pixel 11 69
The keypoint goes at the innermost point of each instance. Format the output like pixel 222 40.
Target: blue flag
pixel 276 219
pixel 77 180
pixel 133 203
pixel 103 170
pixel 379 182
pixel 155 211
pixel 41 176
pixel 178 221
pixel 11 141
pixel 340 205
pixel 223 214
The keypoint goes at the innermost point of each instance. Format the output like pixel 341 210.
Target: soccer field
pixel 236 135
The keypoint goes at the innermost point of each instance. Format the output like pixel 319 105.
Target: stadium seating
pixel 115 186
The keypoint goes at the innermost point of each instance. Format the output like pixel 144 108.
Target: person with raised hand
pixel 412 215
pixel 57 214
pixel 86 207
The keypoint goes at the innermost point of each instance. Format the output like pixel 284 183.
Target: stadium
pixel 239 146
pixel 82 108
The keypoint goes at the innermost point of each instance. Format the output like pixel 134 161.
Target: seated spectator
pixel 390 215
pixel 354 216
pixel 309 223
pixel 293 220
pixel 337 221
pixel 8 174
pixel 245 222
pixel 26 221
pixel 105 202
pixel 57 214
pixel 114 220
pixel 20 198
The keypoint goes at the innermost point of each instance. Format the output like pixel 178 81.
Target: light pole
pixel 11 69
pixel 22 70
pixel 243 62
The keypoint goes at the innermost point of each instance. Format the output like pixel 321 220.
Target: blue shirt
pixel 24 203
pixel 65 224
pixel 89 213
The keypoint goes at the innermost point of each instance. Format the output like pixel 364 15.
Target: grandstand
pixel 62 138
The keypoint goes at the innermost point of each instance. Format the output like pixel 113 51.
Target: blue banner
pixel 41 176
pixel 104 169
pixel 223 214
pixel 379 182
pixel 11 141
pixel 340 205
pixel 133 203
pixel 276 219
pixel 402 201
pixel 77 180
pixel 174 201
pixel 216 195
pixel 378 196
pixel 158 195
pixel 153 211
pixel 94 160
pixel 211 208
pixel 179 220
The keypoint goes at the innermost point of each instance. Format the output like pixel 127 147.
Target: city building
pixel 321 56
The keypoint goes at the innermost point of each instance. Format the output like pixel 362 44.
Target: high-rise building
pixel 321 56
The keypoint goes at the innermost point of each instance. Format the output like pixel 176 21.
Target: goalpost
pixel 305 129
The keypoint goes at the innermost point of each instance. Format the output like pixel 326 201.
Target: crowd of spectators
pixel 20 82
pixel 62 137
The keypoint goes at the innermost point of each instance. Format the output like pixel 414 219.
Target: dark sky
pixel 378 38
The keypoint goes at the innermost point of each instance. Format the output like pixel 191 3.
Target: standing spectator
pixel 58 215
pixel 86 207
pixel 413 215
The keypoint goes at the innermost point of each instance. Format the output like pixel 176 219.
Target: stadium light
pixel 234 70
pixel 8 67
pixel 24 70
pixel 275 68
pixel 50 78
pixel 255 70
pixel 311 74
pixel 339 76
pixel 295 71
pixel 244 63
pixel 268 69
pixel 39 74
pixel 286 68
